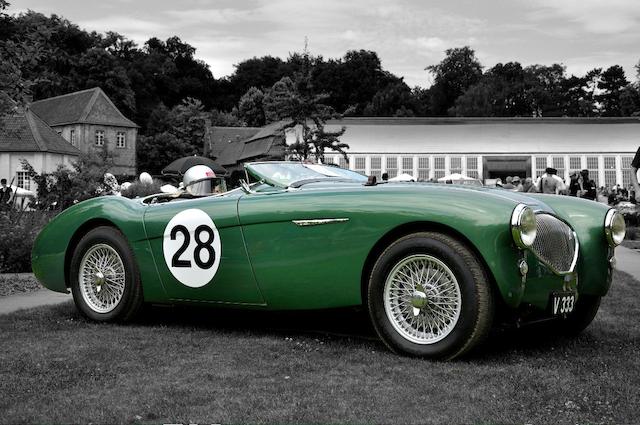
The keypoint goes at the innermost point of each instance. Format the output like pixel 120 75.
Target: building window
pixel 472 167
pixel 392 166
pixel 438 167
pixel 407 165
pixel 575 163
pixel 23 180
pixel 592 166
pixel 121 140
pixel 558 164
pixel 72 137
pixel 360 164
pixel 626 170
pixel 376 167
pixel 423 168
pixel 455 165
pixel 99 137
pixel 343 162
pixel 541 165
pixel 609 171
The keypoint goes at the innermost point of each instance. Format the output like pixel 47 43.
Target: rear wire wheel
pixel 429 296
pixel 104 277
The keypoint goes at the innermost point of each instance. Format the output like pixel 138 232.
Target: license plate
pixel 562 302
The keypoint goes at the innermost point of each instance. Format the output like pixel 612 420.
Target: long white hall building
pixel 488 148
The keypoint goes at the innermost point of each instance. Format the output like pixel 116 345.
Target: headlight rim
pixel 516 226
pixel 609 219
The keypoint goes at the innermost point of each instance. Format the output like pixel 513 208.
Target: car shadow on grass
pixel 349 327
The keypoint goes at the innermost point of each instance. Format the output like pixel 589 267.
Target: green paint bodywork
pixel 267 261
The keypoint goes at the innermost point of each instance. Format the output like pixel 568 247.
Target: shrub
pixel 139 189
pixel 64 187
pixel 18 231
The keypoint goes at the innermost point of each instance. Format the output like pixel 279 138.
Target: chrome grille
pixel 556 244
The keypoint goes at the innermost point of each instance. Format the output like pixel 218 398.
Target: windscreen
pixel 336 172
pixel 282 174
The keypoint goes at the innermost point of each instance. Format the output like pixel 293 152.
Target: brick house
pixel 88 119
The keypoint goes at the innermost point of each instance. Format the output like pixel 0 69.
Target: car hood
pixel 532 200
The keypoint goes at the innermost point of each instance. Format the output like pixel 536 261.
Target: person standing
pixel 550 183
pixel 588 186
pixel 574 184
pixel 635 165
pixel 5 193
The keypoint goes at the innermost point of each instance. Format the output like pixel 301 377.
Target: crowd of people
pixel 579 185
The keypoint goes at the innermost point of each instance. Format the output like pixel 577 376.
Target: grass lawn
pixel 204 366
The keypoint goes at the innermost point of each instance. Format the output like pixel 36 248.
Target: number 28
pixel 201 245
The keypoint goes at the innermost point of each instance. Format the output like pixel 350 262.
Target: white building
pixel 429 148
pixel 25 136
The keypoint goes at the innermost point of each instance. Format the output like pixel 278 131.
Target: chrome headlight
pixel 523 226
pixel 614 227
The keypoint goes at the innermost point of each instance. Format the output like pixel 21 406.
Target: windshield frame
pixel 309 174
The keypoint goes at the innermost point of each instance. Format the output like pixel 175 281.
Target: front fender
pixel 53 248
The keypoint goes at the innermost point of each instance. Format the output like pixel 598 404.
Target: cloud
pixel 596 16
pixel 132 28
pixel 226 16
pixel 426 45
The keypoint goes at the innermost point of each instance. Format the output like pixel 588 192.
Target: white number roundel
pixel 192 248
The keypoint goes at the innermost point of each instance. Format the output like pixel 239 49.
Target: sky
pixel 408 35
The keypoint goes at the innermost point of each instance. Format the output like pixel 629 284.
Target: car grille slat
pixel 555 244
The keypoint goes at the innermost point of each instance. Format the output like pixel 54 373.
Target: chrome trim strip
pixel 319 221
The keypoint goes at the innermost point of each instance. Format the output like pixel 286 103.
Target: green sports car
pixel 435 265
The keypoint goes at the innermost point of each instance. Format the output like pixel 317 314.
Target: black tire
pixel 129 299
pixel 475 303
pixel 585 311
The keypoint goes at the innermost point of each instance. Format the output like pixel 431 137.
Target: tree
pixel 500 92
pixel 392 100
pixel 544 89
pixel 458 71
pixel 172 134
pixel 250 107
pixel 612 84
pixel 297 102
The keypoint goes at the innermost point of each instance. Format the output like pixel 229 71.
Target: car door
pixel 199 250
pixel 303 248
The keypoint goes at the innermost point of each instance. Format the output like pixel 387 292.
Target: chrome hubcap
pixel 101 278
pixel 422 299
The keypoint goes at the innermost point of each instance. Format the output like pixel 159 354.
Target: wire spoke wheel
pixel 422 299
pixel 101 278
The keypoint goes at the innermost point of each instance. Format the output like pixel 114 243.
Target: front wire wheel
pixel 429 296
pixel 104 276
pixel 422 299
pixel 101 278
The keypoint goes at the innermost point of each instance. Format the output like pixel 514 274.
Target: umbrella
pixel 18 191
pixel 404 177
pixel 180 166
pixel 458 178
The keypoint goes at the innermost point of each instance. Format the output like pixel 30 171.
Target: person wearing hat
pixel 517 185
pixel 550 183
pixel 588 186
